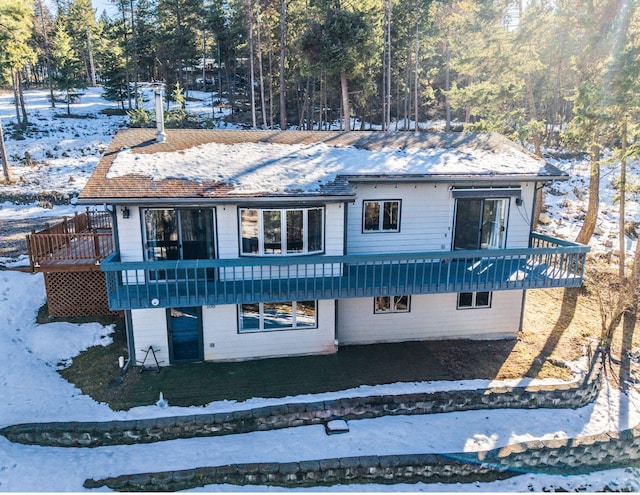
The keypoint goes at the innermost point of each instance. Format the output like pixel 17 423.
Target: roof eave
pixel 238 200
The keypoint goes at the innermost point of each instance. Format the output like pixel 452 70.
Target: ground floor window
pixel 266 317
pixel 467 300
pixel 391 304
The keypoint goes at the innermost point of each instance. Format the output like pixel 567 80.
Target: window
pixel 480 224
pixel 267 317
pixel 277 232
pixel 391 304
pixel 467 300
pixel 381 216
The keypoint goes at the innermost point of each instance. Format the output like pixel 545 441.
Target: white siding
pixel 432 317
pixel 150 329
pixel 221 330
pixel 426 218
pixel 130 236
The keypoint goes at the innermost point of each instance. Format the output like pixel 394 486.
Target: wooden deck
pixel 76 244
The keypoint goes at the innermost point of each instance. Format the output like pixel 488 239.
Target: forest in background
pixel 544 72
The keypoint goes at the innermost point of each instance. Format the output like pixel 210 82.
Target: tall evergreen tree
pixel 16 21
pixel 69 69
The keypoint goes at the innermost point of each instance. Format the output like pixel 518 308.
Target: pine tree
pixel 69 68
pixel 16 21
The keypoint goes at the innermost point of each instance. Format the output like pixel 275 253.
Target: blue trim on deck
pixel 549 262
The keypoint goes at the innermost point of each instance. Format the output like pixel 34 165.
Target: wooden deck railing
pixel 86 238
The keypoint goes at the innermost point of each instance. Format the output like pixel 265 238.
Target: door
pixel 184 326
pixel 179 234
pixel 479 224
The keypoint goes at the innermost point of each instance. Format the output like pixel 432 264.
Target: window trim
pixel 261 328
pixel 380 229
pixel 474 295
pixel 392 305
pixel 283 231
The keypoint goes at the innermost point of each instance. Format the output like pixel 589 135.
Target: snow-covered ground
pixel 32 390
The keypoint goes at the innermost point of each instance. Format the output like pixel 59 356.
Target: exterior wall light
pixel 125 212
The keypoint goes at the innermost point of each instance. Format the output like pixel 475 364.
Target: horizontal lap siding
pixel 221 329
pixel 426 218
pixel 432 317
pixel 150 329
pixel 130 236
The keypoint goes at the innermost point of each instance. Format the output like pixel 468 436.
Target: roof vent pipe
pixel 161 137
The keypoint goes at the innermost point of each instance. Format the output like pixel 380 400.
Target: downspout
pixel 130 343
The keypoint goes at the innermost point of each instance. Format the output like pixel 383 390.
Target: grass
pixel 559 326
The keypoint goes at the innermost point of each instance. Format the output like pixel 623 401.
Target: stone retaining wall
pixel 94 434
pixel 591 453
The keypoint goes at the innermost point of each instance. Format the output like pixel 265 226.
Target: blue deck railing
pixel 549 262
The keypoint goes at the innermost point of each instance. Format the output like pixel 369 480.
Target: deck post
pixel 96 246
pixel 89 227
pixel 30 250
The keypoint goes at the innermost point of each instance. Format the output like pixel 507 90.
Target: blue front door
pixel 185 334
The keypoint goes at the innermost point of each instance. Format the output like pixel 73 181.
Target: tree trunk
pixel 589 225
pixel 92 67
pixel 16 101
pixel 416 67
pixel 47 52
pixel 447 88
pixel 8 177
pixel 23 107
pixel 134 42
pixel 252 94
pixel 283 39
pixel 345 99
pixel 623 187
pixel 263 105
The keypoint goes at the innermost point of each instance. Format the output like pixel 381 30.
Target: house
pixel 234 245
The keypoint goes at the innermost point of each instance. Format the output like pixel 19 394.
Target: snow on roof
pixel 212 163
pixel 279 168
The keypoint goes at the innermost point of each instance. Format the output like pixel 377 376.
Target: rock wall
pixel 94 434
pixel 606 450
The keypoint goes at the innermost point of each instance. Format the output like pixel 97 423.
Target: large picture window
pixel 267 317
pixel 276 232
pixel 381 216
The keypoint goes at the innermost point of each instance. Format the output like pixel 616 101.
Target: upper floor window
pixel 277 232
pixel 480 223
pixel 381 216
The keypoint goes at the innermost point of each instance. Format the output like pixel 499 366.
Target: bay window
pixel 283 231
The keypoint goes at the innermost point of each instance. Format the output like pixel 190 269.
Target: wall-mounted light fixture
pixel 519 201
pixel 125 212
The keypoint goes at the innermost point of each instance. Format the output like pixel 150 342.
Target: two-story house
pixel 234 245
